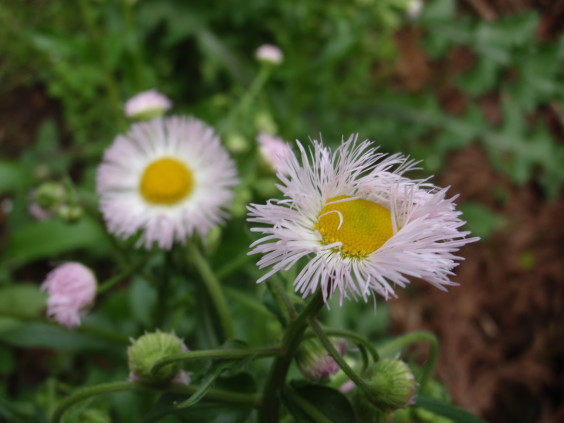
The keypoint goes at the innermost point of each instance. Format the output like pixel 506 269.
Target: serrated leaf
pixel 446 409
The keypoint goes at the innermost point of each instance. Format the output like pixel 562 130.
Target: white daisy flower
pixel 363 226
pixel 169 178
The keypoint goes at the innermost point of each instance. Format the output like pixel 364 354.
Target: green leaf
pixel 445 409
pixel 142 300
pixel 41 335
pixel 203 412
pixel 50 238
pixel 480 220
pixel 330 402
pixel 481 78
pixel 13 176
pixel 23 299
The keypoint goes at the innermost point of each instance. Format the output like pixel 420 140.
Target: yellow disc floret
pixel 166 182
pixel 360 225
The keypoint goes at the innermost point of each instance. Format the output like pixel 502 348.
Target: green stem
pixel 163 290
pixel 110 82
pixel 232 265
pixel 214 288
pixel 214 355
pixel 249 96
pixel 248 302
pixel 133 44
pixel 284 304
pixel 401 342
pixel 270 409
pixel 356 338
pixel 106 388
pixel 103 287
pixel 360 383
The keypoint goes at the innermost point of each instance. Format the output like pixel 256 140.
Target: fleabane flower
pixel 167 178
pixel 274 151
pixel 361 224
pixel 71 289
pixel 147 105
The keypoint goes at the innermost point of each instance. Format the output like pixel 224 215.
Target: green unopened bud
pixel 237 143
pixel 392 386
pixel 314 361
pixel 50 195
pixel 150 348
pixel 70 214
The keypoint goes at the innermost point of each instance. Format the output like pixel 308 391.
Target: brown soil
pixel 501 332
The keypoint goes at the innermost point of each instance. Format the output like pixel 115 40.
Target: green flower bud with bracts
pixel 392 386
pixel 50 195
pixel 150 348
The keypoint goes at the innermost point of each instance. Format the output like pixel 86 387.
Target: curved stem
pixel 214 355
pixel 270 409
pixel 337 357
pixel 214 288
pixel 106 388
pixel 356 338
pixel 420 336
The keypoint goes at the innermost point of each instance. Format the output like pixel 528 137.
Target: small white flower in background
pixel 71 289
pixel 147 105
pixel 363 226
pixel 274 151
pixel 269 53
pixel 167 178
pixel 414 9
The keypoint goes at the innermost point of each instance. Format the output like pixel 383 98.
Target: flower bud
pixel 269 54
pixel 150 348
pixel 147 105
pixel 50 195
pixel 314 361
pixel 70 213
pixel 273 152
pixel 72 289
pixel 392 386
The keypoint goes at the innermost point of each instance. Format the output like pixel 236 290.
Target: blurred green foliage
pixel 90 56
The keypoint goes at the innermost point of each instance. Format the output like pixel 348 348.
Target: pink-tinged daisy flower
pixel 269 53
pixel 167 178
pixel 147 105
pixel 274 151
pixel 71 288
pixel 361 224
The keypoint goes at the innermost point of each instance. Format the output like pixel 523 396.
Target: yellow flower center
pixel 360 225
pixel 166 182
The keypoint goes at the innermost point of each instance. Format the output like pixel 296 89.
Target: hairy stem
pixel 269 411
